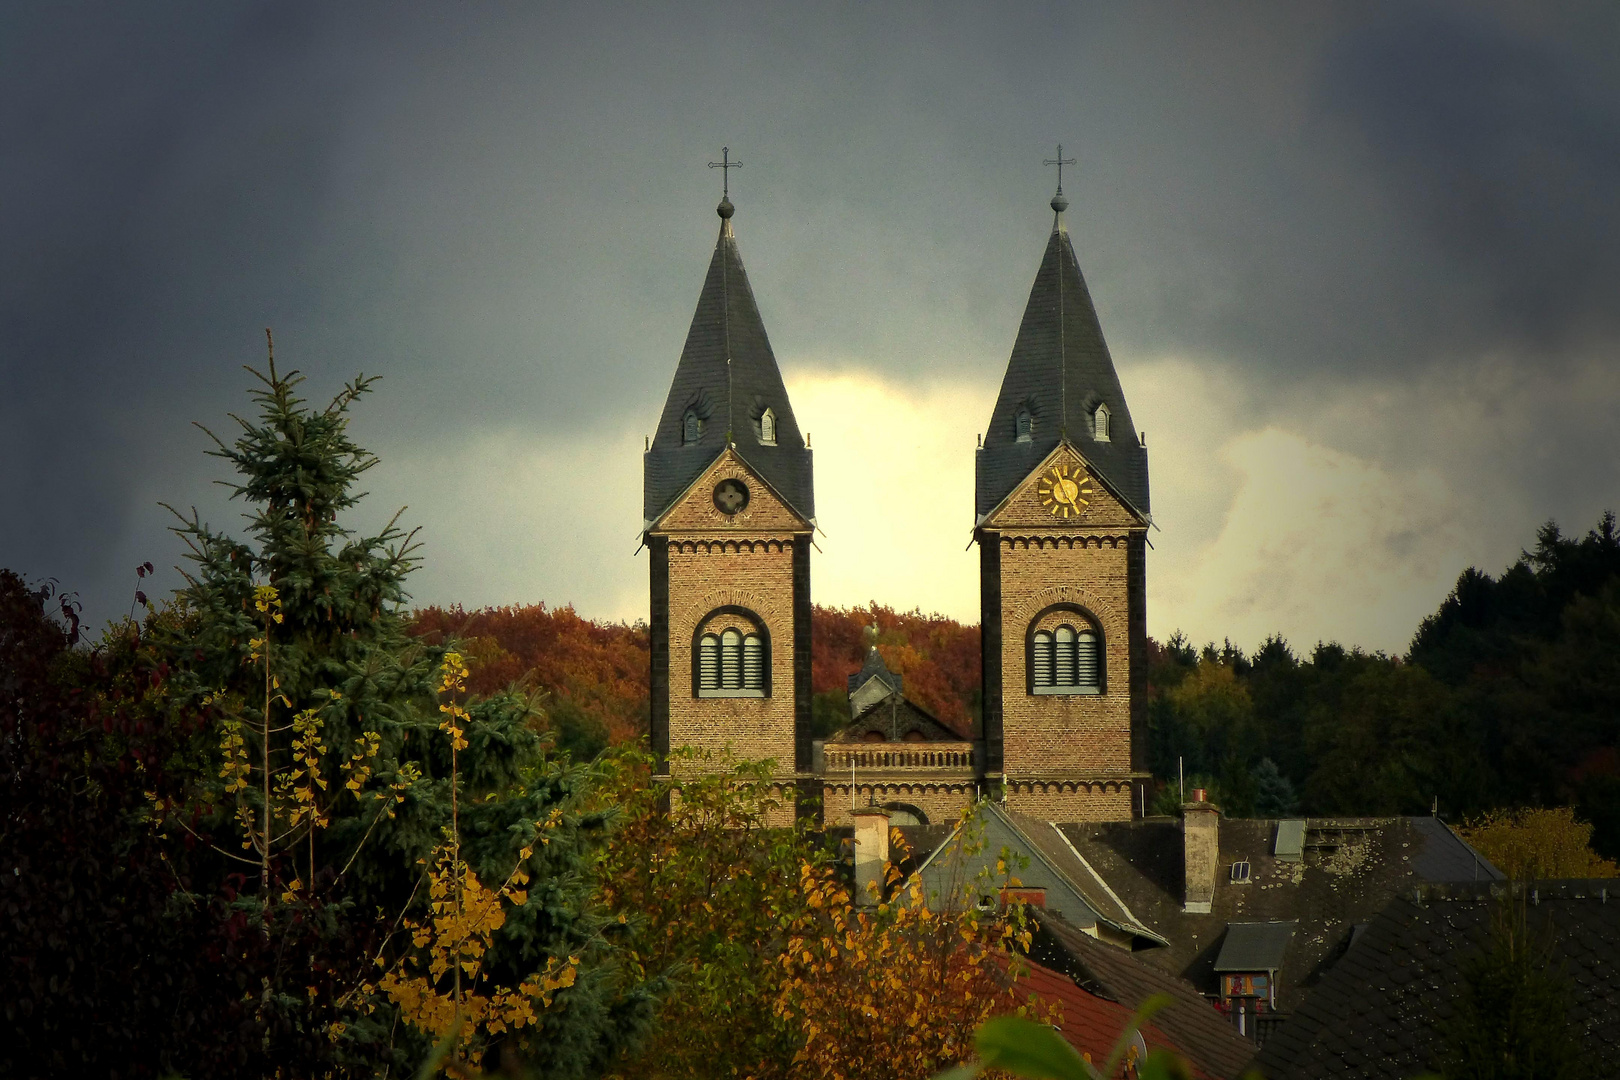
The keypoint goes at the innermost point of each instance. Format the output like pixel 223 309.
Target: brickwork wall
pixel 942 800
pixel 745 561
pixel 1065 733
pixel 1058 801
pixel 1084 564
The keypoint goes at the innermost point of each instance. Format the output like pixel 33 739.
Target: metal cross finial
pixel 725 165
pixel 1059 161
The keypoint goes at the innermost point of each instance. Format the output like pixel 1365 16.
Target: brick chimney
pixel 1201 843
pixel 871 853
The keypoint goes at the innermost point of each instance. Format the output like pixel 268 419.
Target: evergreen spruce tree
pixel 1273 792
pixel 335 791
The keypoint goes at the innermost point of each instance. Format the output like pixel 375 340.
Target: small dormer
pixel 1024 425
pixel 691 427
pixel 767 428
pixel 873 683
pixel 1099 423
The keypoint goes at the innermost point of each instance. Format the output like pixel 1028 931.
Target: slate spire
pixel 727 390
pixel 1059 373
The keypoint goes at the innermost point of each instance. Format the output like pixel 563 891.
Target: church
pixel 1060 517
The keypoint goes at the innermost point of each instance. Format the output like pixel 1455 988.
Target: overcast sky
pixel 1358 265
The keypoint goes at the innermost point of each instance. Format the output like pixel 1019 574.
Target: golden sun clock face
pixel 1064 489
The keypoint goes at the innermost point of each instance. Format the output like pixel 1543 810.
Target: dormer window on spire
pixel 1099 423
pixel 1024 424
pixel 767 428
pixel 691 427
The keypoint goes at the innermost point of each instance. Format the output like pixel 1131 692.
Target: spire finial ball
pixel 1059 203
pixel 725 209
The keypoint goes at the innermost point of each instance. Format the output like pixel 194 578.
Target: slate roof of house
pixel 875 668
pixel 1377 1012
pixel 1351 869
pixel 1190 1023
pixel 728 374
pixel 1073 890
pixel 1061 370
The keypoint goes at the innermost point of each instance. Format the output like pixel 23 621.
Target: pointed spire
pixel 1059 374
pixel 725 383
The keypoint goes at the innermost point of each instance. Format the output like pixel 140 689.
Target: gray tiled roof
pixel 729 397
pixel 1380 1011
pixel 1350 870
pixel 1060 369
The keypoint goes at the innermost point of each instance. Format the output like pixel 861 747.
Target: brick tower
pixel 728 515
pixel 1061 521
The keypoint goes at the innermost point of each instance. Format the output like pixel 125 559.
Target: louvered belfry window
pixel 1100 423
pixel 1066 660
pixel 731 664
pixel 1041 661
pixel 767 428
pixel 753 665
pixel 709 663
pixel 731 660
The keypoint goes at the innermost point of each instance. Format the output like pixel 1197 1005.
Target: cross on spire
pixel 725 165
pixel 1059 161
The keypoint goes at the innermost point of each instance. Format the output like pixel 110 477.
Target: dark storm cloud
pixel 1504 146
pixel 504 211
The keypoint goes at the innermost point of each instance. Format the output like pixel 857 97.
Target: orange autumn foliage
pixel 602 667
pixel 939 657
pixel 599 666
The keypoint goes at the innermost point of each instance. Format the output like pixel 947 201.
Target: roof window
pixel 1024 424
pixel 1290 842
pixel 691 427
pixel 767 428
pixel 1099 423
pixel 1240 872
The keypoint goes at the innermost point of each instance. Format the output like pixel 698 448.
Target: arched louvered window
pixel 753 663
pixel 691 427
pixel 1041 660
pixel 1099 423
pixel 1063 657
pixel 708 663
pixel 767 428
pixel 1065 660
pixel 1087 666
pixel 1024 425
pixel 733 662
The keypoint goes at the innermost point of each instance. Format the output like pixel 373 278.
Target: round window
pixel 730 496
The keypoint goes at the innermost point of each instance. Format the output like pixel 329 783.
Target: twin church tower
pixel 1061 517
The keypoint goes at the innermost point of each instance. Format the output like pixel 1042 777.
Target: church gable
pixel 1063 492
pixel 726 483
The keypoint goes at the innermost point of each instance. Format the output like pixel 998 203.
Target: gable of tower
pixel 695 510
pixel 1028 506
